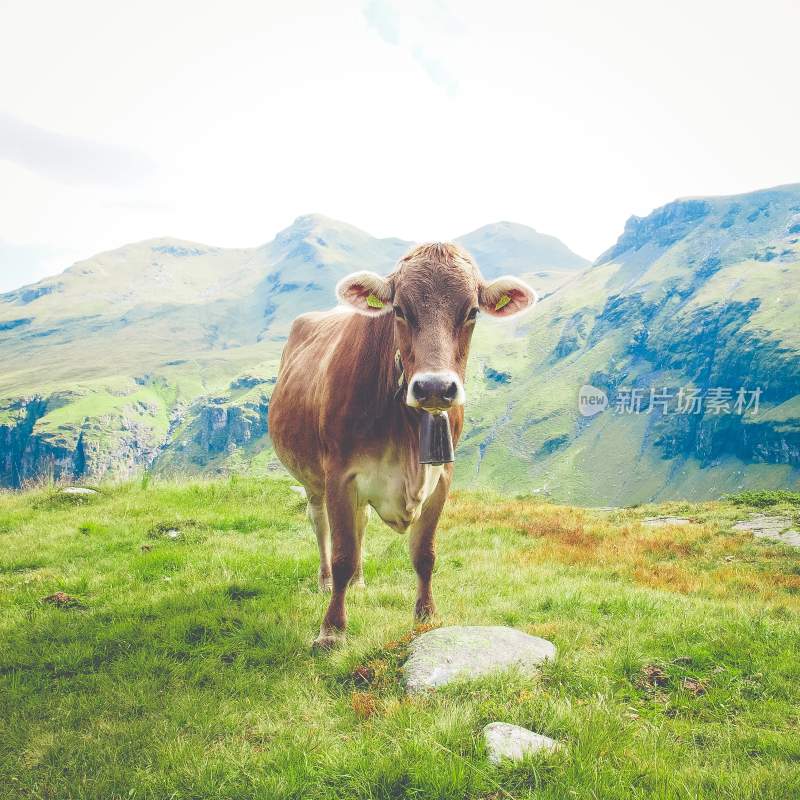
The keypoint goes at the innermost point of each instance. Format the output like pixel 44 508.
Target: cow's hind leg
pixel 341 504
pixel 318 515
pixel 362 518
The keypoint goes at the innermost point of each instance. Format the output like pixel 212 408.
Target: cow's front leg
pixel 340 501
pixel 422 544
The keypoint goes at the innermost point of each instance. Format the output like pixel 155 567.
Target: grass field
pixel 177 662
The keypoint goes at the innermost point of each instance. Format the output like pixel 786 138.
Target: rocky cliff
pixel 34 446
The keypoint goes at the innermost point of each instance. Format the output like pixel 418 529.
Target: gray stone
pixel 504 740
pixel 660 522
pixel 298 490
pixel 446 654
pixel 776 529
pixel 79 490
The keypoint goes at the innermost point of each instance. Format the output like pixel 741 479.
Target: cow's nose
pixel 435 390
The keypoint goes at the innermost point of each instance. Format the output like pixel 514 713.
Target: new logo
pixel 591 400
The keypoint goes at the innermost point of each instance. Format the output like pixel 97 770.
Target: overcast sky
pixel 222 122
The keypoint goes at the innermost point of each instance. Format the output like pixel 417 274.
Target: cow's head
pixel 435 294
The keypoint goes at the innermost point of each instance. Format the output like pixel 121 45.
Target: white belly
pixel 396 490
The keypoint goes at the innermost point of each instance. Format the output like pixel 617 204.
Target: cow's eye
pixel 472 314
pixel 398 312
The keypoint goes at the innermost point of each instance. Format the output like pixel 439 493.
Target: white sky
pixel 222 122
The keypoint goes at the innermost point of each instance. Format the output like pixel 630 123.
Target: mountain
pixel 704 294
pixel 506 248
pixel 162 354
pixel 165 299
pixel 509 248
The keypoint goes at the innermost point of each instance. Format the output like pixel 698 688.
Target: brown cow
pixel 345 414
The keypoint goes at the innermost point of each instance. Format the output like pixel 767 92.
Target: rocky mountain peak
pixel 761 216
pixel 317 229
pixel 664 227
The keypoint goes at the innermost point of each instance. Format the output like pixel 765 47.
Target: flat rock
pixel 660 522
pixel 504 740
pixel 298 490
pixel 79 490
pixel 471 651
pixel 777 529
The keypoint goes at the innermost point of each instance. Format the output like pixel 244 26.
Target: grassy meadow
pixel 155 643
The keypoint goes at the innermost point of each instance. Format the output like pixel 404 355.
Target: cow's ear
pixel 506 297
pixel 366 292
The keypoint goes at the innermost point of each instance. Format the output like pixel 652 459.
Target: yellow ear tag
pixel 502 302
pixel 373 301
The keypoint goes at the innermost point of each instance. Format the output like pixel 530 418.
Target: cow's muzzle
pixel 435 391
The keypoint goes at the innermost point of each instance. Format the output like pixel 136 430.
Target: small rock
pixel 298 490
pixel 78 490
pixel 504 740
pixel 763 522
pixel 660 522
pixel 166 531
pixel 777 529
pixel 471 651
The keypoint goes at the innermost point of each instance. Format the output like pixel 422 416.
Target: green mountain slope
pixel 702 293
pixel 107 363
pixel 163 353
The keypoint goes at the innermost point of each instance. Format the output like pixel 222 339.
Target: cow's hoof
pixel 326 642
pixel 424 610
pixel 359 582
pixel 325 584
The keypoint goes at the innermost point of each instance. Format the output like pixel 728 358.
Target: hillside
pixel 176 663
pixel 703 293
pixel 163 354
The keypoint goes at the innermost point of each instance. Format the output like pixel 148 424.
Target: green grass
pixel 183 670
pixel 120 399
pixel 765 498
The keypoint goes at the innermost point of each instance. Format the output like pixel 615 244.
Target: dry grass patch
pixel 703 557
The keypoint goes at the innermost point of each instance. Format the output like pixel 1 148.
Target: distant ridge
pixel 162 354
pixel 508 247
